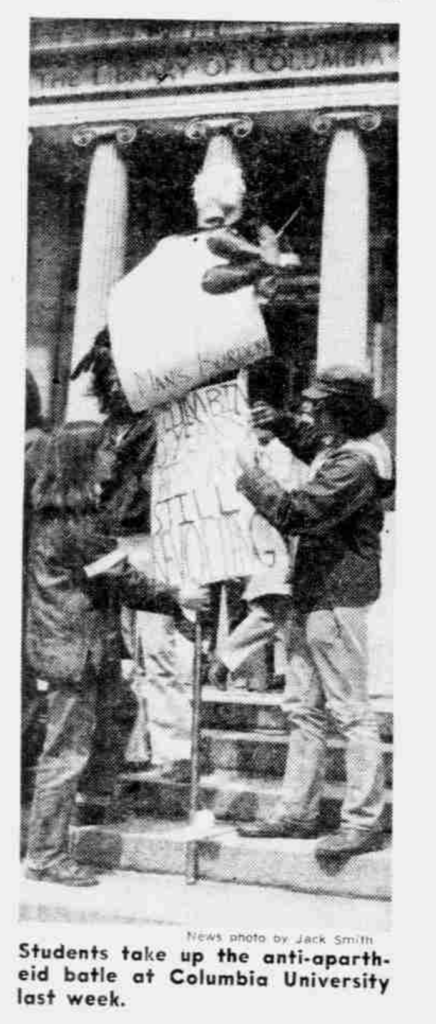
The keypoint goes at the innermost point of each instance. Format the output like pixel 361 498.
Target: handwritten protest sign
pixel 202 528
pixel 168 335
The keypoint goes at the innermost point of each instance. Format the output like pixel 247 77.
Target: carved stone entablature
pixel 238 55
pixel 123 134
pixel 52 35
pixel 365 120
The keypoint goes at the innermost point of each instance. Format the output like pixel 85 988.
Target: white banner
pixel 203 529
pixel 168 335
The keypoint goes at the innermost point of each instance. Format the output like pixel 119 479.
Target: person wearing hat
pixel 338 517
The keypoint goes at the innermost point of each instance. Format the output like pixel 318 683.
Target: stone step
pixel 222 855
pixel 241 709
pixel 262 752
pixel 229 796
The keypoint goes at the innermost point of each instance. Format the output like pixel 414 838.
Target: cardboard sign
pixel 202 528
pixel 168 335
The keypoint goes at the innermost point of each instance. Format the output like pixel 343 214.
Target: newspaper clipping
pixel 209 514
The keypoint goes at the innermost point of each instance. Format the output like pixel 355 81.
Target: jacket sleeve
pixel 139 591
pixel 128 501
pixel 344 483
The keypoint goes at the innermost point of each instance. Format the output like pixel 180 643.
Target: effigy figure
pixel 209 330
pixel 198 297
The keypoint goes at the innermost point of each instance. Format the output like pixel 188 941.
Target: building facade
pixel 121 112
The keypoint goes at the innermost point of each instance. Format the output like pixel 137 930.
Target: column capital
pixel 204 127
pixel 365 120
pixel 88 135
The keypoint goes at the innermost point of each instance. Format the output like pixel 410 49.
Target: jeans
pixel 167 659
pixel 115 712
pixel 268 618
pixel 70 727
pixel 328 673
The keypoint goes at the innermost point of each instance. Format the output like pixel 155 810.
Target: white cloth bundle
pixel 169 335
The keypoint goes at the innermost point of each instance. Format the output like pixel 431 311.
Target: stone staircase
pixel 243 751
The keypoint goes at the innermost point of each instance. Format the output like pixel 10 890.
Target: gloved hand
pixel 247 263
pixel 264 416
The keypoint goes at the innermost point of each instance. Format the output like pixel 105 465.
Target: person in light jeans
pixel 338 517
pixel 167 661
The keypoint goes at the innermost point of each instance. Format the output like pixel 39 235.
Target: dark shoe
pixel 178 771
pixel 278 828
pixel 347 842
pixel 66 873
pixel 217 675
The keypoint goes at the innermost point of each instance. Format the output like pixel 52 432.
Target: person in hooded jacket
pixel 73 635
pixel 338 518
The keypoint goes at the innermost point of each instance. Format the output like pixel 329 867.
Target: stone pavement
pixel 131 897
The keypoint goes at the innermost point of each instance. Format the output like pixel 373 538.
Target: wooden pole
pixel 377 359
pixel 191 866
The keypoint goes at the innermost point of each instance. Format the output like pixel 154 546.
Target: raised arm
pixel 344 483
pixel 141 592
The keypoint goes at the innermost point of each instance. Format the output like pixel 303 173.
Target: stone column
pixel 48 255
pixel 102 258
pixel 343 300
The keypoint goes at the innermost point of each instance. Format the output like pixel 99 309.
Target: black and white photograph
pixel 208 553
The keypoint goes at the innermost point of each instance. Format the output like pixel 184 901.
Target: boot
pixel 346 842
pixel 66 872
pixel 177 771
pixel 278 827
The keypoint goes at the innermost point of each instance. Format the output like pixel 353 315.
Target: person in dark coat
pixel 127 501
pixel 166 657
pixel 338 517
pixel 73 629
pixel 35 439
